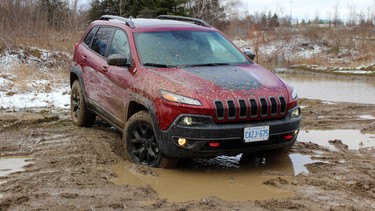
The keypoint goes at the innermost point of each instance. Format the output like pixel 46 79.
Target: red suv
pixel 178 88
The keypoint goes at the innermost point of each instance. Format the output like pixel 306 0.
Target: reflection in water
pixel 353 138
pixel 332 89
pixel 10 165
pixel 299 161
pixel 229 178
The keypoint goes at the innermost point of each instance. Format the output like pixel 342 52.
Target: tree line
pixel 213 11
pixel 51 19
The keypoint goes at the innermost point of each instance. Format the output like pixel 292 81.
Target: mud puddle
pixel 228 178
pixel 9 165
pixel 332 89
pixel 354 139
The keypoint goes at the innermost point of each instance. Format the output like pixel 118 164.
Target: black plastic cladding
pixel 252 108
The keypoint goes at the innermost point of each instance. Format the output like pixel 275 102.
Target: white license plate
pixel 252 134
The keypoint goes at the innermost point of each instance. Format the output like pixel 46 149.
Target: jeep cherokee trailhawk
pixel 178 88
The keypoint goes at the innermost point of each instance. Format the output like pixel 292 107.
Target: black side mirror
pixel 250 54
pixel 117 60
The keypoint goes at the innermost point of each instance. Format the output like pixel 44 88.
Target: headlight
pixel 179 98
pixel 296 113
pixel 294 94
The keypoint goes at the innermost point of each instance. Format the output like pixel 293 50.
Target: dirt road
pixel 71 168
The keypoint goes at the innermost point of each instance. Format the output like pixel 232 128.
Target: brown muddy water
pixel 332 89
pixel 229 178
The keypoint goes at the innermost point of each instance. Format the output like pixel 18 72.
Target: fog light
pixel 187 120
pixel 182 141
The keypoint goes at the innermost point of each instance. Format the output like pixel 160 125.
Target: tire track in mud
pixel 73 166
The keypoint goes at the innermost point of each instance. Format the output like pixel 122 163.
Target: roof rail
pixel 182 18
pixel 127 21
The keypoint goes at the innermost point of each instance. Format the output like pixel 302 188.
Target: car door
pixel 95 66
pixel 119 79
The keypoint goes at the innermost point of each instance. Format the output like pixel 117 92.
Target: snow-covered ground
pixel 32 78
pixel 295 52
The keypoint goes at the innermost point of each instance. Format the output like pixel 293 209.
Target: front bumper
pixel 228 136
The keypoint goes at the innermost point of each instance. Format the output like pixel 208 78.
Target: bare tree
pixel 352 15
pixel 336 15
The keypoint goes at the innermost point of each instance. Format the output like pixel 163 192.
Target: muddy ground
pixel 72 168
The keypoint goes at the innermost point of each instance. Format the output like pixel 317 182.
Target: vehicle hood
pixel 221 80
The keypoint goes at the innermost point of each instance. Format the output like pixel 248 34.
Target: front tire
pixel 81 116
pixel 141 145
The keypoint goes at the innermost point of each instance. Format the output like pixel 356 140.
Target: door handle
pixel 104 69
pixel 84 58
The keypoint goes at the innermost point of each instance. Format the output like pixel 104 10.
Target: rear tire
pixel 141 145
pixel 81 116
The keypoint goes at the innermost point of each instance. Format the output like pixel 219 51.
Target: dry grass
pixel 49 40
pixel 32 78
pixel 342 46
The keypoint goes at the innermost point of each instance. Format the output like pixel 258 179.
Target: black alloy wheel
pixel 141 145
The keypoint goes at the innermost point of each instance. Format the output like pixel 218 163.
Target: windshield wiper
pixel 207 64
pixel 157 65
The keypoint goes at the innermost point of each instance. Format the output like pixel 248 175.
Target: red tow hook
pixel 288 137
pixel 214 144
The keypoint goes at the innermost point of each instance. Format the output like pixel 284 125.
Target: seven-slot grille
pixel 250 108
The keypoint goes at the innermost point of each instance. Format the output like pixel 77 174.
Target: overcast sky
pixel 308 9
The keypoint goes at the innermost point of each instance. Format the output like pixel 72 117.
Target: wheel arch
pixel 76 74
pixel 138 103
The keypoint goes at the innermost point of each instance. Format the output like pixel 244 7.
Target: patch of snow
pixel 285 50
pixel 58 98
pixel 360 72
pixel 51 93
pixel 328 102
pixel 24 55
pixel 367 117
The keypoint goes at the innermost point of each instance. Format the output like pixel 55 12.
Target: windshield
pixel 186 48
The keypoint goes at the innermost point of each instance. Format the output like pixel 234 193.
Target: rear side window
pixel 89 36
pixel 101 40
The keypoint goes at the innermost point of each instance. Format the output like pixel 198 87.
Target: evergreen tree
pixel 137 8
pixel 274 21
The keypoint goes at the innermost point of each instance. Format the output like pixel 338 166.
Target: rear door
pixel 95 65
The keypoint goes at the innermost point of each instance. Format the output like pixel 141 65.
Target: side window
pixel 101 40
pixel 120 44
pixel 89 36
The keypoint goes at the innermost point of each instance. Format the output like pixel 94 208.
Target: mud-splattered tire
pixel 78 109
pixel 141 145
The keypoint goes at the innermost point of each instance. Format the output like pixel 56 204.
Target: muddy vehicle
pixel 179 88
